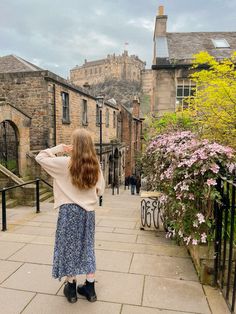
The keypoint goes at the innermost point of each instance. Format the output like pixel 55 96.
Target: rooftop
pixel 182 46
pixel 12 63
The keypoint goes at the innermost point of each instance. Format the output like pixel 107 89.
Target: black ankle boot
pixel 88 290
pixel 70 291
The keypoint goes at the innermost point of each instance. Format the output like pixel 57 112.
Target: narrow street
pixel 138 272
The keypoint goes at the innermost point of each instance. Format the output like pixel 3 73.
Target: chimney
pixel 161 10
pixel 160 25
pixel 136 107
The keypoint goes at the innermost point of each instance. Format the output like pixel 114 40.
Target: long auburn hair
pixel 84 166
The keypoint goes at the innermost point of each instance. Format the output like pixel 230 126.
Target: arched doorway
pixel 9 146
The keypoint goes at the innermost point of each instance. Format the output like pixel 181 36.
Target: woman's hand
pixel 67 148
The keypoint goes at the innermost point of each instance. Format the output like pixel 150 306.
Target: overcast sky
pixel 57 35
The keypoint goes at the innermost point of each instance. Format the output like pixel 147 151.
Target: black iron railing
pixel 4 190
pixel 225 241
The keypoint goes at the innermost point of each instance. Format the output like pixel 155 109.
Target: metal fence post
pixel 4 214
pixel 37 195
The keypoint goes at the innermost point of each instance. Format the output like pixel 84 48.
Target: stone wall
pixel 147 80
pixel 164 91
pixel 27 91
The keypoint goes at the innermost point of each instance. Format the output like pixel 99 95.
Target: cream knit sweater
pixel 64 191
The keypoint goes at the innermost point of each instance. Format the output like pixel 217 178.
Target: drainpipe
pixel 54 115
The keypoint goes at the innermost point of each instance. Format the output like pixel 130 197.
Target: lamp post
pixel 99 102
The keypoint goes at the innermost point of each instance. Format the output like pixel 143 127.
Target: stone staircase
pixel 7 178
pixel 10 202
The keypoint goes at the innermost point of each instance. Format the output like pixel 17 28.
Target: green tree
pixel 214 105
pixel 169 122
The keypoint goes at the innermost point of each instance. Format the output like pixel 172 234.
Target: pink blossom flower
pixel 215 168
pixel 211 182
pixel 231 167
pixel 194 241
pixel 191 196
pixel 203 237
pixel 200 218
pixel 184 187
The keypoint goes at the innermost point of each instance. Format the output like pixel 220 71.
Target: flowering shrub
pixel 185 170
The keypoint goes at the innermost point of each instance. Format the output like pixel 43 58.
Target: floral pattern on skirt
pixel 74 243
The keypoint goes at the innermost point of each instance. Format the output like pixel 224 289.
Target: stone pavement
pixel 139 272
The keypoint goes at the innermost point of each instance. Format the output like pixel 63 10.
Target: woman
pixel 77 181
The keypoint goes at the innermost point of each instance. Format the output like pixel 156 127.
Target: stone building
pixel 131 135
pixel 173 55
pixel 122 67
pixel 39 109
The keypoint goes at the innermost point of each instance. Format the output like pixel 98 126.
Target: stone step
pixel 11 203
pixel 49 200
pixel 45 196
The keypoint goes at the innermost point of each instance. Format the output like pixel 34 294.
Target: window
pixel 100 70
pixel 184 91
pixel 107 117
pixel 114 119
pixel 85 72
pixel 65 108
pixel 220 43
pixel 91 71
pixel 84 112
pixel 97 115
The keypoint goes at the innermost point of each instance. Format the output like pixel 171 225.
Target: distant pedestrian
pixel 77 182
pixel 133 184
pixel 127 181
pixel 138 184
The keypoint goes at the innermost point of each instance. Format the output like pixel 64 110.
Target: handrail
pixel 3 191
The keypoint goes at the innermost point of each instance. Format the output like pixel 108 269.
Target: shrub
pixel 185 169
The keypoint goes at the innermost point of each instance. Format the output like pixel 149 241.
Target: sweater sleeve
pixel 48 160
pixel 100 186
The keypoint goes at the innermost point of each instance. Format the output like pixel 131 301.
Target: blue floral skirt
pixel 74 243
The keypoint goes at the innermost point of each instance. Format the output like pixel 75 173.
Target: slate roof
pixel 12 63
pixel 181 46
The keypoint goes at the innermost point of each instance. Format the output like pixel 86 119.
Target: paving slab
pixel 47 240
pixel 34 230
pixel 113 261
pixel 143 248
pixel 172 294
pixel 34 253
pixel 104 229
pixel 9 248
pixel 155 239
pixel 13 237
pixel 216 301
pixel 46 218
pixel 130 309
pixel 165 266
pixel 117 223
pixel 134 231
pixel 115 237
pixel 13 301
pixel 35 278
pixel 117 287
pixel 48 304
pixel 7 268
